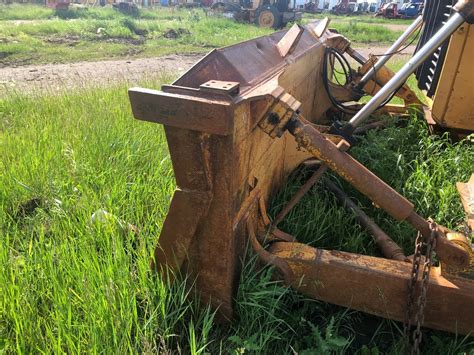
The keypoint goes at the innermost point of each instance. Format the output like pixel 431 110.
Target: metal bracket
pixel 228 87
pixel 290 40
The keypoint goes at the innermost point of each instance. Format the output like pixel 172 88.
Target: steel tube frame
pixel 371 186
pixel 391 51
pixel 387 246
pixel 401 76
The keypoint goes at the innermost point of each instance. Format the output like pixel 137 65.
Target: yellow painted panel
pixel 453 103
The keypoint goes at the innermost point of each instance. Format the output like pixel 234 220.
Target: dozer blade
pixel 227 126
pixel 223 163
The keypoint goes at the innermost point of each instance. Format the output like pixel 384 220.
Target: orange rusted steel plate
pixel 223 163
pixel 376 286
pixel 183 111
pixel 289 41
pixel 320 27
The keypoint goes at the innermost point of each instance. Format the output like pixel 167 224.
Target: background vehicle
pixel 312 7
pixel 411 10
pixel 271 14
pixel 373 7
pixel 58 4
pixel 344 7
pixel 389 10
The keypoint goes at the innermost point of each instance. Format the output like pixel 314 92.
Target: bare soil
pixel 378 50
pixel 394 26
pixel 59 77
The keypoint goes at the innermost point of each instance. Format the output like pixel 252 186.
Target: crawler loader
pixel 246 116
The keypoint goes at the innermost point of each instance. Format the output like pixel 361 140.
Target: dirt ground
pixel 59 77
pixel 394 26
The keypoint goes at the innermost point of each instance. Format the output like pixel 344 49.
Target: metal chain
pixel 421 301
pixel 412 283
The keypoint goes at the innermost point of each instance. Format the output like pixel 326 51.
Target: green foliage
pixel 91 33
pixel 70 13
pixel 67 284
pixel 366 33
pixel 260 311
pixel 329 343
pixel 360 18
pixel 422 167
pixel 103 33
pixel 25 12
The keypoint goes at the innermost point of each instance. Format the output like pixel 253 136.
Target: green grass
pixel 96 37
pixel 70 285
pixel 37 12
pixel 101 33
pixel 360 19
pixel 25 12
pixel 359 32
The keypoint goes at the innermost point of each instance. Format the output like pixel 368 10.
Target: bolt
pixel 273 118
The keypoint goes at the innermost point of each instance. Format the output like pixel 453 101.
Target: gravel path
pixel 58 77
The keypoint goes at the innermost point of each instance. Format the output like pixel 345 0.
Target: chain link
pixel 421 261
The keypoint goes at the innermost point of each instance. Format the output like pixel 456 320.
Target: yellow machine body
pixel 452 105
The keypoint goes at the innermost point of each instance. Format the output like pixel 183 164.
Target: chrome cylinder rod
pixel 391 51
pixel 402 75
